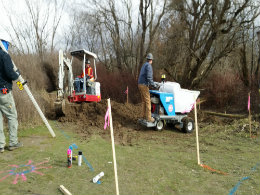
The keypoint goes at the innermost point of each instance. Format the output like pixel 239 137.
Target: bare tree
pixel 121 40
pixel 148 20
pixel 206 24
pixel 34 30
pixel 57 15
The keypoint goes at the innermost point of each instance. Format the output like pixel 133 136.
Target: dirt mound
pixel 92 114
pixel 89 119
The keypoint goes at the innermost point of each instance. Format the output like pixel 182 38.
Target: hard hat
pixel 149 56
pixel 4 37
pixel 5 40
pixel 87 61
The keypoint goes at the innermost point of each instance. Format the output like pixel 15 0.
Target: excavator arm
pixel 60 103
pixel 64 62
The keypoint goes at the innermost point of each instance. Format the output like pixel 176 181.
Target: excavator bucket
pixel 59 107
pixel 64 107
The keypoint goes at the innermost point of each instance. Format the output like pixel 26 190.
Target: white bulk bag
pixel 184 99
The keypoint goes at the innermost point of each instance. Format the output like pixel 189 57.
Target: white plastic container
pixel 184 99
pixel 79 158
pixel 96 178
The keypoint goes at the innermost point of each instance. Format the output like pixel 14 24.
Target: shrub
pixel 224 91
pixel 114 84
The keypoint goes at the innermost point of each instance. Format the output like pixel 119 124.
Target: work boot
pixel 18 145
pixel 2 150
pixel 151 120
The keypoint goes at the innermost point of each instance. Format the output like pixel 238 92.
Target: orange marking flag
pixel 211 169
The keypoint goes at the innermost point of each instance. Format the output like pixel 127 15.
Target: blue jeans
pixel 78 84
pixel 7 108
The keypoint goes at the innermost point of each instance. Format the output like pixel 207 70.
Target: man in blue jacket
pixel 7 104
pixel 144 81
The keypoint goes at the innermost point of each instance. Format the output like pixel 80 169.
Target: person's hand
pixel 157 85
pixel 18 72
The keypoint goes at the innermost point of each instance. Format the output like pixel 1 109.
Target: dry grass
pixel 114 84
pixel 225 91
pixel 41 77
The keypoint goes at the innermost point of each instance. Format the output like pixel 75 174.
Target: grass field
pixel 161 165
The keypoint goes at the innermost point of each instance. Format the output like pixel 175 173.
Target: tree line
pixel 188 38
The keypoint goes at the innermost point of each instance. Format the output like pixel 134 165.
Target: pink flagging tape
pixel 248 103
pixel 106 119
pixel 126 91
pixel 189 109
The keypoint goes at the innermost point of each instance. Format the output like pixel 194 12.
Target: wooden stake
pixel 225 115
pixel 113 145
pixel 197 133
pixel 249 115
pixel 64 190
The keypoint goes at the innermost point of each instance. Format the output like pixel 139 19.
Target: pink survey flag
pixel 248 103
pixel 106 119
pixel 126 91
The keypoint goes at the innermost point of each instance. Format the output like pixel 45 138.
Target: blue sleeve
pixel 9 68
pixel 149 74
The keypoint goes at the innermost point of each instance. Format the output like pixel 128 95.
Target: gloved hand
pixel 159 84
pixel 18 72
pixel 155 85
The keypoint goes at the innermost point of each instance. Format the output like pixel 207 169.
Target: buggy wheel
pixel 188 125
pixel 159 125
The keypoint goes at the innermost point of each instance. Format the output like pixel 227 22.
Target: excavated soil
pixel 87 119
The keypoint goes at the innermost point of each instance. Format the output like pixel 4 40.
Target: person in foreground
pixel 7 104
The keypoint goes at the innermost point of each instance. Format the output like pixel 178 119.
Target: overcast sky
pixel 19 7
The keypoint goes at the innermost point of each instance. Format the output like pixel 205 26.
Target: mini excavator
pixel 67 93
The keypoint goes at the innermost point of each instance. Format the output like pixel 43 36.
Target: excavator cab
pixel 90 90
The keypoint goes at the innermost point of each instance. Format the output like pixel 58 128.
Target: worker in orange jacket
pixel 89 77
pixel 88 71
